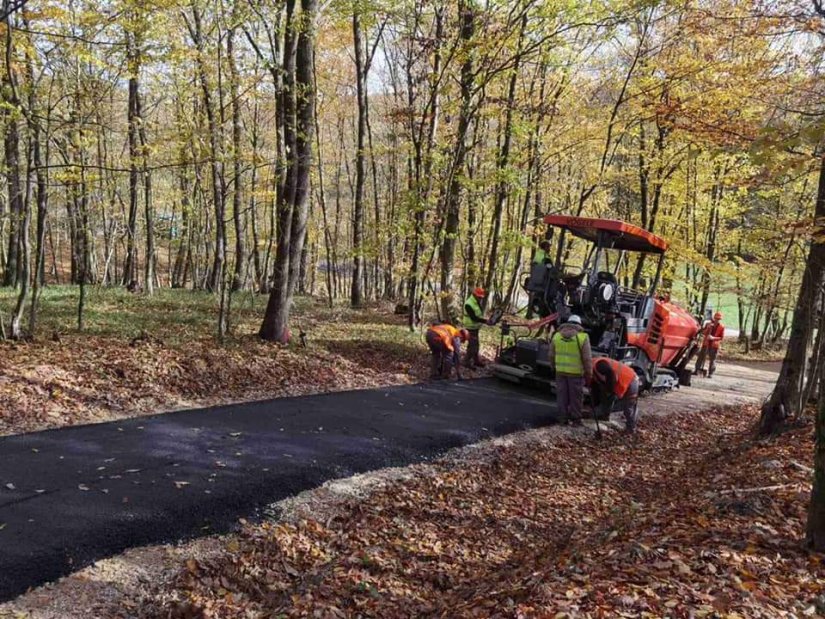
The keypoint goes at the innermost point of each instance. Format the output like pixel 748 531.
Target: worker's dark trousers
pixel 473 347
pixel 710 354
pixel 569 393
pixel 629 402
pixel 438 356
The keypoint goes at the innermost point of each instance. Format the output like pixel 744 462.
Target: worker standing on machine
pixel 571 358
pixel 614 381
pixel 473 321
pixel 542 253
pixel 712 335
pixel 444 342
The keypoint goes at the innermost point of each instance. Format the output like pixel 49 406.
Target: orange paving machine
pixel 654 336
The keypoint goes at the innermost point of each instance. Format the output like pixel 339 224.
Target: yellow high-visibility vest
pixel 568 352
pixel 469 323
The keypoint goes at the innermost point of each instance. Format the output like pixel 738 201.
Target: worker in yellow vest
pixel 571 358
pixel 473 321
pixel 542 254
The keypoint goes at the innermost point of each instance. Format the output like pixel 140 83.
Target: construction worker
pixel 540 257
pixel 473 321
pixel 615 381
pixel 571 358
pixel 712 335
pixel 444 342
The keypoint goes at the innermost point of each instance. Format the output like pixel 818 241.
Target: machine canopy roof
pixel 622 235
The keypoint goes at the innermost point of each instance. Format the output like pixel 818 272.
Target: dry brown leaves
pixel 675 524
pixel 86 379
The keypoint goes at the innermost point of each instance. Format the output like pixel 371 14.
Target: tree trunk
pixel 14 264
pixel 130 271
pixel 356 292
pixel 420 178
pixel 240 245
pixel 15 196
pixel 25 253
pixel 453 201
pixel 148 208
pixel 502 163
pixel 253 200
pixel 34 175
pixel 299 113
pixel 815 534
pixel 40 163
pixel 216 155
pixel 785 401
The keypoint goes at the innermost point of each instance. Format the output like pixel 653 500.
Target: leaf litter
pixel 90 378
pixel 686 521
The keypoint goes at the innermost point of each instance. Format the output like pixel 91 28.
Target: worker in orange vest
pixel 614 381
pixel 444 342
pixel 712 335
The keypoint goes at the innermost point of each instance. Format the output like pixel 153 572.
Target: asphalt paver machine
pixel 654 336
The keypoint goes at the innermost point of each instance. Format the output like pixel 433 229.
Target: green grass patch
pixel 178 316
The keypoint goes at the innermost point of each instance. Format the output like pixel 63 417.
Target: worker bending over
pixel 570 356
pixel 474 319
pixel 712 335
pixel 614 381
pixel 444 342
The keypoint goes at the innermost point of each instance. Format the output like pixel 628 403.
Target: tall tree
pixel 503 162
pixel 452 214
pixel 786 399
pixel 298 105
pixel 356 291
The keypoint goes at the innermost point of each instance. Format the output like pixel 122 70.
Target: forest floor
pixel 696 517
pixel 144 354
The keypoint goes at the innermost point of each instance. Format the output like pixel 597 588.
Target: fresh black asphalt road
pixel 72 496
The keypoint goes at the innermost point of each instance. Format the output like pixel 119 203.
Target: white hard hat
pixel 574 319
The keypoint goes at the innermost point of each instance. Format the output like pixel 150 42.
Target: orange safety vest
pixel 718 331
pixel 623 372
pixel 446 334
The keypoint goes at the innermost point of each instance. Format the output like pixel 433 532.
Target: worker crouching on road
pixel 615 381
pixel 473 321
pixel 445 345
pixel 712 335
pixel 572 360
